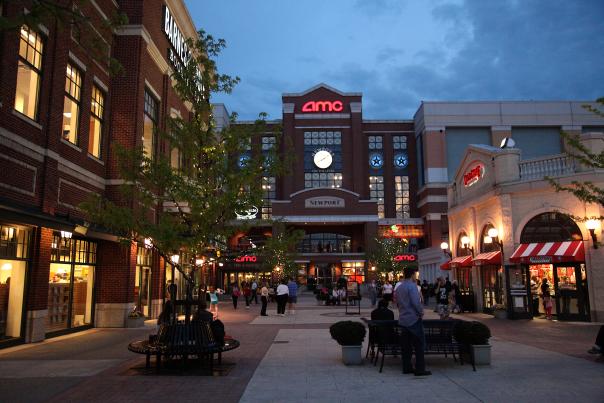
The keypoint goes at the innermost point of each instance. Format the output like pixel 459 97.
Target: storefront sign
pixel 540 259
pixel 249 214
pixel 246 259
pixel 324 202
pixel 473 175
pixel 323 106
pixel 405 258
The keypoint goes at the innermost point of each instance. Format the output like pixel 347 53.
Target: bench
pixel 183 340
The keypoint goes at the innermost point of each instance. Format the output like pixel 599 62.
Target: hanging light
pixel 488 239
pixel 199 261
pixel 66 234
pixel 175 258
pixel 493 233
pixel 148 243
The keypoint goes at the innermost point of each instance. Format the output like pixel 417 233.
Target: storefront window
pixel 550 227
pixel 71 283
pixel 142 280
pixel 14 252
pixel 29 72
pixel 325 243
pixel 354 271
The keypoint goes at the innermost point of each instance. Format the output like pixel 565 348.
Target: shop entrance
pixel 325 274
pixel 568 285
pixel 492 286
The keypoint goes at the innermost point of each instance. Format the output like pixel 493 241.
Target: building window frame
pixel 376 192
pixel 97 113
pixel 30 56
pixel 72 104
pixel 402 196
pixel 151 118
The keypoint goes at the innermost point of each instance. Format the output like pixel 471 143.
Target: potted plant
pixel 135 318
pixel 475 337
pixel 500 311
pixel 350 336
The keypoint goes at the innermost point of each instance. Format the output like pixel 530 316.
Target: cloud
pixel 380 7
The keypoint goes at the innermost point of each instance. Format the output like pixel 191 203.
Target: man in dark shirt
pixel 382 312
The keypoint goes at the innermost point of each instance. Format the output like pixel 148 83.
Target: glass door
pixel 570 284
pixel 518 292
pixel 492 287
pixel 145 291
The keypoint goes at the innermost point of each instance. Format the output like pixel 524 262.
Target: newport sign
pixel 323 106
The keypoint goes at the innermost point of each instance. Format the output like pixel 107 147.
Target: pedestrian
pixel 292 296
pixel 399 282
pixel 411 312
pixel 235 293
pixel 282 295
pixel 255 291
pixel 214 300
pixel 387 291
pixel 426 291
pixel 598 348
pixel 264 299
pixel 547 298
pixel 247 293
pixel 442 299
pixel 373 292
pixel 455 290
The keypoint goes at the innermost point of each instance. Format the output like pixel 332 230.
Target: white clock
pixel 323 159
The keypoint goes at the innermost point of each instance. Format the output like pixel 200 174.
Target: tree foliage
pixel 279 251
pixel 383 253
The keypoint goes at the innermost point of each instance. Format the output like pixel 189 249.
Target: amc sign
pixel 473 175
pixel 405 258
pixel 323 106
pixel 246 259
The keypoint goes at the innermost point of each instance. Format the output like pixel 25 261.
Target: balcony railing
pixel 553 165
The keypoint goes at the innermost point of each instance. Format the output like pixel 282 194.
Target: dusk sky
pixel 400 52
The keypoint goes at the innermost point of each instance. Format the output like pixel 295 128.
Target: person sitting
pixel 202 315
pixel 382 312
pixel 598 348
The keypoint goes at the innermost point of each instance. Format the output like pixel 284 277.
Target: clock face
pixel 323 159
pixel 376 161
pixel 243 160
pixel 401 160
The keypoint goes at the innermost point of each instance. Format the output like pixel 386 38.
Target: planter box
pixel 351 355
pixel 135 322
pixel 500 314
pixel 482 354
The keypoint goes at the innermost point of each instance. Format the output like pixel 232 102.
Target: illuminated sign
pixel 323 106
pixel 473 175
pixel 246 259
pixel 249 214
pixel 540 259
pixel 405 258
pixel 324 202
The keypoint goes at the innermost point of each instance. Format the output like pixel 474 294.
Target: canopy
pixel 461 261
pixel 488 258
pixel 549 252
pixel 446 265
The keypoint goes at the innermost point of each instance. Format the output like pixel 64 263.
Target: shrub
pixel 348 333
pixel 472 333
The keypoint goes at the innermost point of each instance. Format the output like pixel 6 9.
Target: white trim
pixel 150 87
pixel 134 30
pixel 322 85
pixel 99 10
pixel 175 112
pixel 435 129
pixel 26 119
pixel 328 218
pixel 77 61
pixel 322 116
pixel 70 144
pixel 44 29
pixel 101 84
pixel 75 185
pixel 432 199
pixel 27 166
pixel 84 176
pixel 335 189
pixel 501 128
pixel 434 216
pixel 96 159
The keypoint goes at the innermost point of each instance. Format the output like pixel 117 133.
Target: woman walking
pixel 214 301
pixel 235 293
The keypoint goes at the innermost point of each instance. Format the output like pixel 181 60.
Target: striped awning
pixel 549 252
pixel 488 258
pixel 446 265
pixel 461 261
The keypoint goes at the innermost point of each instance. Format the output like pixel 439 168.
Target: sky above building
pixel 401 52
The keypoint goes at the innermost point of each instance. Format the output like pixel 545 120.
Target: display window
pixel 70 283
pixel 354 271
pixel 142 281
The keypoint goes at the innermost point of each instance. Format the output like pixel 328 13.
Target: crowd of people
pixel 284 293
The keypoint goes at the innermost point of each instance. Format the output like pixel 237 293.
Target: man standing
pixel 411 312
pixel 282 293
pixel 255 291
pixel 293 296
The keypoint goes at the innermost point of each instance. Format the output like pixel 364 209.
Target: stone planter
pixel 135 322
pixel 351 355
pixel 482 354
pixel 500 314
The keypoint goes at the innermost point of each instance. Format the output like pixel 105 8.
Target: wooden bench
pixel 183 341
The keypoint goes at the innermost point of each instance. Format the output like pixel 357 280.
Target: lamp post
pixel 445 246
pixel 591 226
pixel 465 243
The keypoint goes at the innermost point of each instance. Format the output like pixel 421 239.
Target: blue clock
pixel 401 160
pixel 243 161
pixel 376 161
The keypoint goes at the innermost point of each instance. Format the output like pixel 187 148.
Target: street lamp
pixel 465 243
pixel 175 258
pixel 444 246
pixel 591 226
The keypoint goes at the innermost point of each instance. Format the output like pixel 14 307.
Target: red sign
pixel 323 106
pixel 405 258
pixel 473 175
pixel 246 259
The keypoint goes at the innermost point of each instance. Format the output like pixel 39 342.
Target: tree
pixel 279 251
pixel 587 192
pixel 383 253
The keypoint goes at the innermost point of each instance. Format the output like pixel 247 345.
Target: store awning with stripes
pixel 446 265
pixel 488 258
pixel 461 261
pixel 549 252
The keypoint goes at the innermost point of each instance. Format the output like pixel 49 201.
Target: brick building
pixel 60 113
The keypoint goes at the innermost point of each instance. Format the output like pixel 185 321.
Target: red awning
pixel 549 252
pixel 488 258
pixel 461 261
pixel 446 265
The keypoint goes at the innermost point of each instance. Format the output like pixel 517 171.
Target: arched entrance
pixel 552 248
pixel 491 273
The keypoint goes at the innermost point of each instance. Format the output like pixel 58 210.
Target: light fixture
pixel 81 229
pixel 507 142
pixel 148 243
pixel 66 234
pixel 175 258
pixel 591 226
pixel 220 264
pixel 372 268
pixel 445 246
pixel 493 233
pixel 199 261
pixel 487 240
pixel 465 243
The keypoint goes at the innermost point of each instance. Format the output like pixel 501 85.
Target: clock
pixel 243 160
pixel 323 159
pixel 376 161
pixel 401 160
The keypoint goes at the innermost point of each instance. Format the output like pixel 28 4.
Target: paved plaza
pixel 293 358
